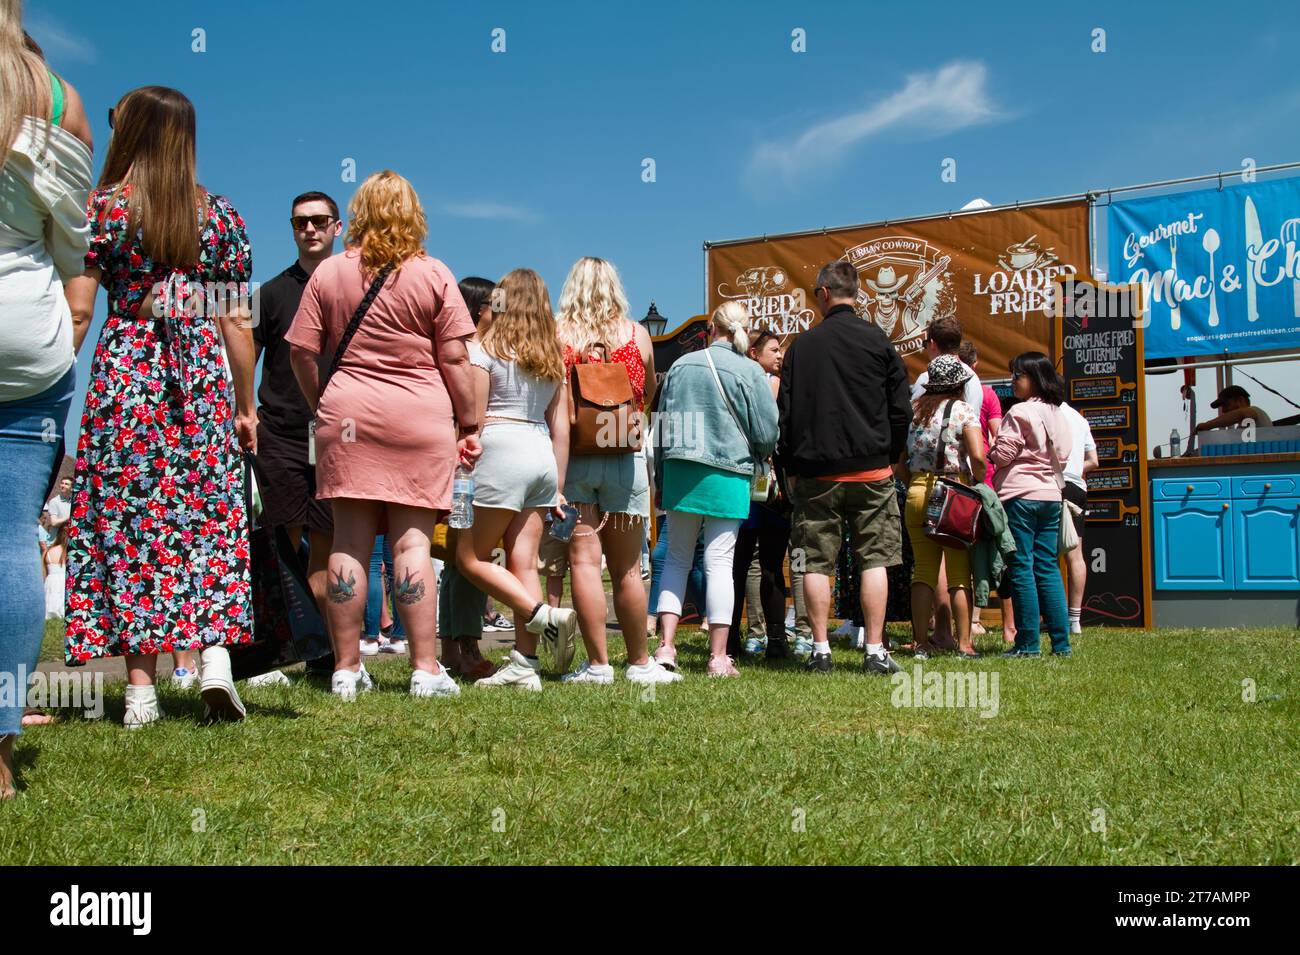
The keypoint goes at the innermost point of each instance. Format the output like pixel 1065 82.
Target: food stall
pixel 1221 271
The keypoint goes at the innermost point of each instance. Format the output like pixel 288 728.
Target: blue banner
pixel 1220 267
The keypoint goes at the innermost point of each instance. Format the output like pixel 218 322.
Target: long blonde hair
pixel 152 152
pixel 20 65
pixel 524 332
pixel 592 306
pixel 386 222
pixel 732 319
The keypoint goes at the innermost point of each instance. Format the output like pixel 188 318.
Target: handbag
pixel 353 324
pixel 952 514
pixel 603 418
pixel 760 482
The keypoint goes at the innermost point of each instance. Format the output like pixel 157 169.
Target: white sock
pixel 876 649
pixel 1076 613
pixel 823 646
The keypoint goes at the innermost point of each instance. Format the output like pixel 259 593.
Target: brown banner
pixel 994 271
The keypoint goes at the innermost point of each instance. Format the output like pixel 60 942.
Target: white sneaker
pixel 424 683
pixel 392 646
pixel 651 672
pixel 346 684
pixel 272 678
pixel 590 673
pixel 220 701
pixel 141 707
pixel 516 672
pixel 1076 627
pixel 789 619
pixel 369 646
pixel 555 625
pixel 183 678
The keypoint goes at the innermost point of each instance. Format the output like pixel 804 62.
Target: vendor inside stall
pixel 1234 407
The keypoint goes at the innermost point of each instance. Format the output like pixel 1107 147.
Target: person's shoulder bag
pixel 603 418
pixel 952 514
pixel 353 324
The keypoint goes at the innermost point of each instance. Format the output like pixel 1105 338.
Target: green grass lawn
pixel 1138 750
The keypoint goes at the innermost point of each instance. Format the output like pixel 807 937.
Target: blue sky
pixel 533 157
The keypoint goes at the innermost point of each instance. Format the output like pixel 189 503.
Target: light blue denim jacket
pixel 693 424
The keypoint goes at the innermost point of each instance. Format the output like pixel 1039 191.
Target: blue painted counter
pixel 1225 541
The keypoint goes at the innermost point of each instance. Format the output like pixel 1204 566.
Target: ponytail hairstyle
pixel 732 319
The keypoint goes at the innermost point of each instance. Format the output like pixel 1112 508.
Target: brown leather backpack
pixel 603 417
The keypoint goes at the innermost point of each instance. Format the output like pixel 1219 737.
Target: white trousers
pixel 719 551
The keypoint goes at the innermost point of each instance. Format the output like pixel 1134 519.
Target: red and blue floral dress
pixel 158 536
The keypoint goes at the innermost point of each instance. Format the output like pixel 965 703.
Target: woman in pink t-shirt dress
pixel 386 419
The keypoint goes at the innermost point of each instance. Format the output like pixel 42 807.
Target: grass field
pixel 1140 749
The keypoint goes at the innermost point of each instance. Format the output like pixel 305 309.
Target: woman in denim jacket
pixel 716 419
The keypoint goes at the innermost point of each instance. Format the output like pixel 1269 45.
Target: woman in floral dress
pixel 158 537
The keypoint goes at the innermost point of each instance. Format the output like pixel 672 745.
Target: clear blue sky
pixel 533 157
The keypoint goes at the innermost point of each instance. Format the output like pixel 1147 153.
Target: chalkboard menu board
pixel 1100 353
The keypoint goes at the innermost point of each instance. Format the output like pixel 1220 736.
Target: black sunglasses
pixel 111 111
pixel 320 222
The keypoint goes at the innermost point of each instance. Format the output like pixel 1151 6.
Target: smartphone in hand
pixel 562 528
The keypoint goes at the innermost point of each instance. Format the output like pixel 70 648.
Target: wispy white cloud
pixel 929 104
pixel 59 43
pixel 489 210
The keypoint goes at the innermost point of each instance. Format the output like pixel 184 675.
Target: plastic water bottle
pixel 1175 443
pixel 462 499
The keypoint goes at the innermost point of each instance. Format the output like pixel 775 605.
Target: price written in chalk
pixel 1110 479
pixel 1107 417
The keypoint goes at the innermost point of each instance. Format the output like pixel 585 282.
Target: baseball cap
pixel 1232 391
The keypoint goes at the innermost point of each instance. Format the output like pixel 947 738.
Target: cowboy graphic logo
pixel 905 285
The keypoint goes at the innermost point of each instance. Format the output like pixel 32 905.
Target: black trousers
pixel 771 543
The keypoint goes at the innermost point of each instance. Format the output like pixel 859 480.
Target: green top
pixel 56 99
pixel 700 489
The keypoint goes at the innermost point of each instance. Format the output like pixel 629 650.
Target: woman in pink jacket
pixel 1030 452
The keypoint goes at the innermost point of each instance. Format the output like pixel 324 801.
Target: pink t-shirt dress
pixel 385 430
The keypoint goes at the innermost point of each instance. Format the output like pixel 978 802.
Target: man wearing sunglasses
pixel 287 480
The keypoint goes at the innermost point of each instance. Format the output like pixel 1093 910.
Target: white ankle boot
pixel 220 701
pixel 141 707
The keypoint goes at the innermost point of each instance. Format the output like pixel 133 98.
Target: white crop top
pixel 512 392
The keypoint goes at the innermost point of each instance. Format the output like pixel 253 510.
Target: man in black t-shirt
pixel 289 488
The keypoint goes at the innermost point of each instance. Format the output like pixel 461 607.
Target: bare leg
pixel 186 659
pixel 1077 573
pixel 875 597
pixel 922 600
pixel 1008 620
pixel 588 587
pixel 961 618
pixel 415 595
pixel 349 569
pixel 622 539
pixel 140 670
pixel 554 590
pixel 318 562
pixel 817 598
pixel 7 790
pixel 474 549
pixel 942 610
pixel 523 538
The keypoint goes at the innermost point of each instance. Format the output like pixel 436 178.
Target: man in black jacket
pixel 845 412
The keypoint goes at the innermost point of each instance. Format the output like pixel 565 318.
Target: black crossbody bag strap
pixel 354 324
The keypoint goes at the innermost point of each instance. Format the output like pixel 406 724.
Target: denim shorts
pixel 615 483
